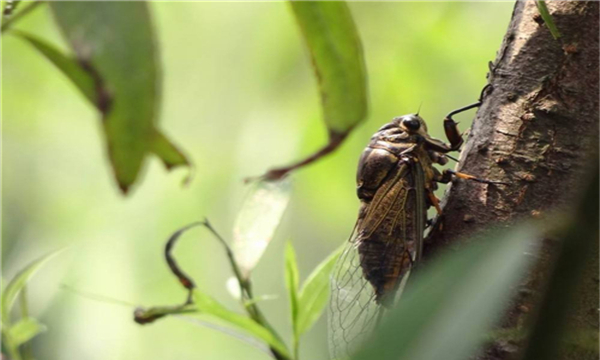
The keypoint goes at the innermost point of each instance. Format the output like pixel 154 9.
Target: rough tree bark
pixel 537 130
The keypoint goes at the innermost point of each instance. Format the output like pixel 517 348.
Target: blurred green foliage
pixel 17 333
pixel 114 45
pixel 239 95
pixel 337 55
pixel 456 299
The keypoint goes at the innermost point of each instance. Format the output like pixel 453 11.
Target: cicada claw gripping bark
pixel 396 180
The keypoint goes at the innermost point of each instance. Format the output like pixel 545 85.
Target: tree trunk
pixel 536 130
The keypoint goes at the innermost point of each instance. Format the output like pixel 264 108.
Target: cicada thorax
pixel 393 175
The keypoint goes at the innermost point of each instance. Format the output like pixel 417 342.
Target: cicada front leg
pixel 453 134
pixel 448 175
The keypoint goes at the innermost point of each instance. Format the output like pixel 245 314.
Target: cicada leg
pixel 451 127
pixel 434 201
pixel 448 174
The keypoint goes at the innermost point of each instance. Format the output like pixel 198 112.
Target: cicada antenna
pixel 419 109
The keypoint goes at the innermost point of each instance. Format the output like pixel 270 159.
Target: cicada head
pixel 412 124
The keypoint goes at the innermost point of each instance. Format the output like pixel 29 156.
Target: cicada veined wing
pixel 352 308
pixel 373 268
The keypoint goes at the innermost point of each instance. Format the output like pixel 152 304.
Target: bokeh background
pixel 239 97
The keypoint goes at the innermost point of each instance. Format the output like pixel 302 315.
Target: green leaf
pixel 115 44
pixel 209 306
pixel 7 22
pixel 541 5
pixel 10 293
pixel 315 293
pixel 337 57
pixel 68 66
pixel 257 221
pixel 25 330
pixel 167 152
pixel 454 300
pixel 206 308
pixel 291 282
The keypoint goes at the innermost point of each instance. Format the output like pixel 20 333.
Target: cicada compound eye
pixel 411 122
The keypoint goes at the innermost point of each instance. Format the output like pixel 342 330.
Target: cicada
pixel 396 181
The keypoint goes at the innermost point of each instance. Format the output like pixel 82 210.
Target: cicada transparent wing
pixel 352 308
pixel 386 242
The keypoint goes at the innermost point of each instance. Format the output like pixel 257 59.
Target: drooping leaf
pixel 547 17
pixel 337 58
pixel 11 291
pixel 454 300
pixel 336 51
pixel 167 152
pixel 206 305
pixel 314 294
pixel 257 221
pixel 114 43
pixel 161 146
pixel 25 330
pixel 68 66
pixel 291 282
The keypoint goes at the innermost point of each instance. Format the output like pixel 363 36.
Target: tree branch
pixel 536 130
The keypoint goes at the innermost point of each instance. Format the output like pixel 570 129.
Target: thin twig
pixel 145 316
pixel 246 288
pixel 234 266
pixel 183 278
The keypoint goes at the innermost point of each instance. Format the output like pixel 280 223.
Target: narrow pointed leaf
pixel 315 293
pixel 206 305
pixel 11 291
pixel 455 300
pixel 206 308
pixel 167 152
pixel 548 19
pixel 160 145
pixel 114 42
pixel 291 282
pixel 337 57
pixel 25 330
pixel 257 221
pixel 68 66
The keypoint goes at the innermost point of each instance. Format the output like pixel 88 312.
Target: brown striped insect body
pixel 393 175
pixel 395 184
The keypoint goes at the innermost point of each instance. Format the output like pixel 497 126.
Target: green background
pixel 239 97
